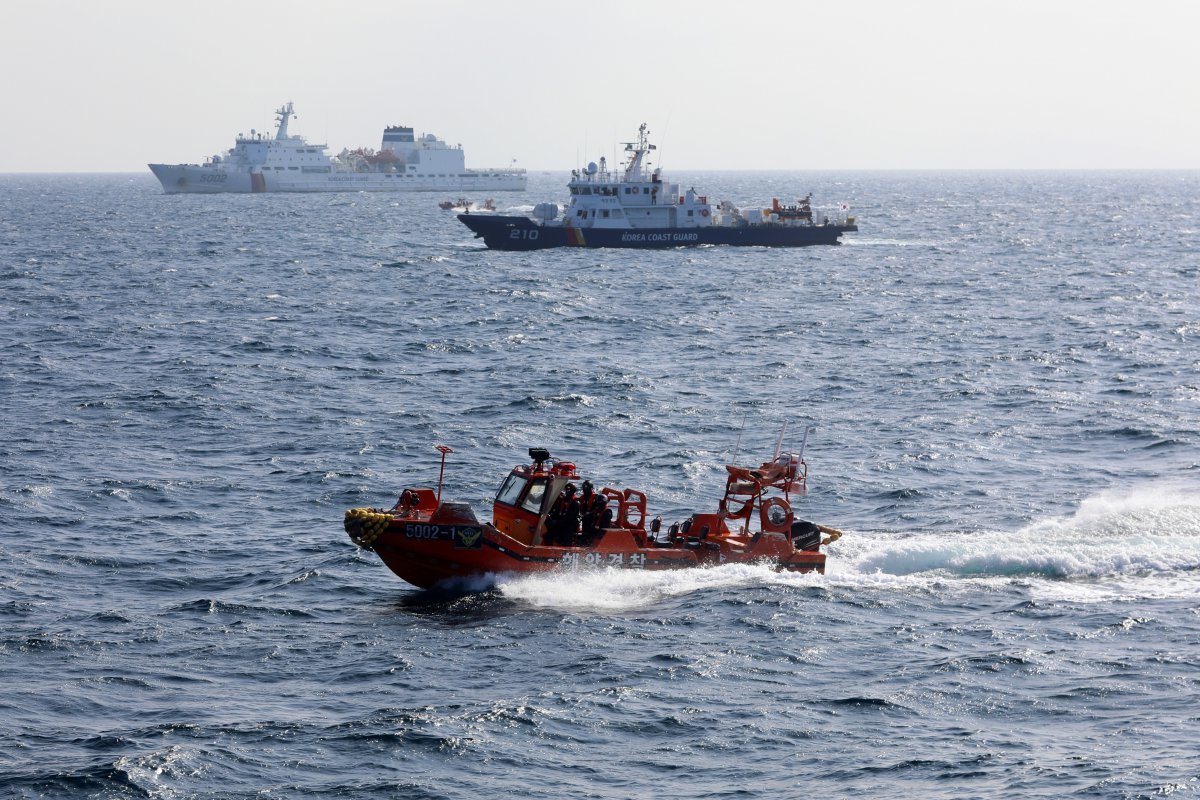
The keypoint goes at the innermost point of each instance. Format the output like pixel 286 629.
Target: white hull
pixel 195 179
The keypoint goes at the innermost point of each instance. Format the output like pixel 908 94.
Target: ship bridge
pixel 634 197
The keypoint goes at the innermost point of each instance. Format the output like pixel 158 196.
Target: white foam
pixel 625 589
pixel 1142 543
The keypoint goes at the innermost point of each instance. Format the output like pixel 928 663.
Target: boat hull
pixel 429 555
pixel 197 179
pixel 502 232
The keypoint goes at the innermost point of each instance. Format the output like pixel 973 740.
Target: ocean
pixel 1002 372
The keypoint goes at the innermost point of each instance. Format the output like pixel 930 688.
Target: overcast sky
pixel 796 84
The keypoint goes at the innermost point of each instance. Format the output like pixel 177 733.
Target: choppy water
pixel 1004 375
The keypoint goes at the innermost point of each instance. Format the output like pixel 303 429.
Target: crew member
pixel 592 507
pixel 563 522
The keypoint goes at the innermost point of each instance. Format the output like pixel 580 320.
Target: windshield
pixel 511 490
pixel 533 500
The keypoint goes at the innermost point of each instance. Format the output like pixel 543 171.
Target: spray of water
pixel 1139 543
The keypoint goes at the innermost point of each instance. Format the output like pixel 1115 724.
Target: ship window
pixel 626 190
pixel 606 213
pixel 511 490
pixel 293 168
pixel 533 499
pixel 690 212
pixel 586 190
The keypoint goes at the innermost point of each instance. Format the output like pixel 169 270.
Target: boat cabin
pixel 636 197
pixel 527 496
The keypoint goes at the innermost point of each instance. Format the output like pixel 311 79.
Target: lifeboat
pixel 544 517
pixel 466 206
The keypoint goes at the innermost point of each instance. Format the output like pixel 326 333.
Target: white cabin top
pixel 400 152
pixel 633 197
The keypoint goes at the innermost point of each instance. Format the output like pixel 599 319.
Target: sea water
pixel 1002 371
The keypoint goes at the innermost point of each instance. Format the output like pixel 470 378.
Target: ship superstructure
pixel 289 163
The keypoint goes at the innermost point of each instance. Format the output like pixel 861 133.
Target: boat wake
pixel 1139 544
pixel 1148 531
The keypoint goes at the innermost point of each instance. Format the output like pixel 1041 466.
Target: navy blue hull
pixel 522 233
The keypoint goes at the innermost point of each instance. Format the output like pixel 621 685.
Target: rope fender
pixel 365 525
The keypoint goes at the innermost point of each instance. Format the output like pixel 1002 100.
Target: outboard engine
pixel 805 535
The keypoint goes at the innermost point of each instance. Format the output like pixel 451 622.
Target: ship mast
pixel 283 113
pixel 638 150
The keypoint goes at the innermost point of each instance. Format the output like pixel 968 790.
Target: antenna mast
pixel 443 449
pixel 779 442
pixel 738 446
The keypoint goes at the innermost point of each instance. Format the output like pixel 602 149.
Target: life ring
pixel 704 212
pixel 636 190
pixel 775 515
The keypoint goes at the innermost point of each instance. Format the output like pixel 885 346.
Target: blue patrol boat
pixel 637 207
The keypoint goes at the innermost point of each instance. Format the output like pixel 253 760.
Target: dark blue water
pixel 1003 370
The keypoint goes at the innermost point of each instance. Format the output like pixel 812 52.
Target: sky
pixel 791 85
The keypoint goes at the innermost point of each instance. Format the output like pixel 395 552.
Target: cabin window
pixel 605 214
pixel 586 190
pixel 511 490
pixel 691 213
pixel 533 499
pixel 626 190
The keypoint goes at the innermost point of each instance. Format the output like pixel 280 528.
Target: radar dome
pixel 591 168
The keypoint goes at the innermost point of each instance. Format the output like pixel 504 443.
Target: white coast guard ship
pixel 288 163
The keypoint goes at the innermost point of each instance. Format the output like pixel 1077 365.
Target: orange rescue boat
pixel 541 522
